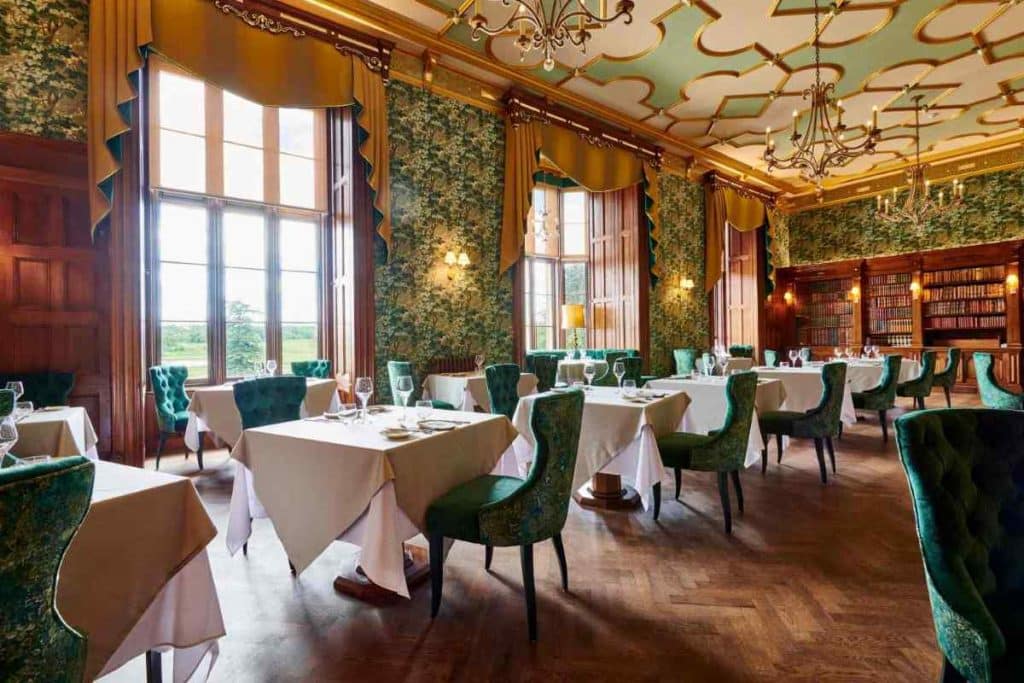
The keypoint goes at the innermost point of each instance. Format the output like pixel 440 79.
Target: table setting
pixel 50 431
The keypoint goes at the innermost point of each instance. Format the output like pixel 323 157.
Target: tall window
pixel 555 266
pixel 237 216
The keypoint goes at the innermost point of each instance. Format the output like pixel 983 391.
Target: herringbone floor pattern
pixel 816 583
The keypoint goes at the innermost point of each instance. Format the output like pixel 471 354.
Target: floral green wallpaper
pixel 43 76
pixel 447 171
pixel 679 318
pixel 993 210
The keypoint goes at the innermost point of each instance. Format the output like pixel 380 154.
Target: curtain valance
pixel 725 205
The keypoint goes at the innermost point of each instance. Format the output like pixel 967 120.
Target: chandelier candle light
pixel 821 146
pixel 548 29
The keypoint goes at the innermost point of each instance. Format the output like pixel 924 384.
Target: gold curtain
pixel 724 204
pixel 521 163
pixel 743 213
pixel 599 169
pixel 369 94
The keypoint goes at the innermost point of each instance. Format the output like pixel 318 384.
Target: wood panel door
pixel 615 233
pixel 742 299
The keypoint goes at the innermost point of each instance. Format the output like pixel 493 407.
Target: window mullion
pixel 273 330
pixel 217 329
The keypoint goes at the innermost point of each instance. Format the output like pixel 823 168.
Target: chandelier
pixel 821 146
pixel 919 205
pixel 549 28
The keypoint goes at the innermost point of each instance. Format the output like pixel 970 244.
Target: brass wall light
pixel 915 290
pixel 788 297
pixel 855 294
pixel 1012 283
pixel 451 260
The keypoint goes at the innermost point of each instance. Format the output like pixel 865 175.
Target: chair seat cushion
pixel 870 400
pixel 441 405
pixel 677 449
pixel 779 421
pixel 911 389
pixel 456 514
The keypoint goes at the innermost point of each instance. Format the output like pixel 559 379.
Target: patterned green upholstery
pixel 503 388
pixel 561 354
pixel 723 451
pixel 741 351
pixel 545 367
pixel 686 360
pixel 771 358
pixel 963 468
pixel 41 508
pixel 401 368
pixel 168 385
pixel 947 378
pixel 318 369
pixel 43 388
pixel 993 395
pixel 7 400
pixel 269 400
pixel 882 397
pixel 920 387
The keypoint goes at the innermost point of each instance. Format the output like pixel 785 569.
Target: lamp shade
pixel 572 316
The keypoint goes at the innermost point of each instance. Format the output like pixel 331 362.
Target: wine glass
pixel 479 360
pixel 8 434
pixel 867 351
pixel 404 389
pixel 849 353
pixel 364 390
pixel 793 355
pixel 722 361
pixel 589 370
pixel 257 368
pixel 837 353
pixel 424 409
pixel 271 367
pixel 619 370
pixel 18 388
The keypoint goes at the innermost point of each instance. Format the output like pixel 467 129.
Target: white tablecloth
pixel 616 437
pixel 321 481
pixel 467 390
pixel 804 390
pixel 212 409
pixel 137 577
pixel 708 406
pixel 864 374
pixel 57 432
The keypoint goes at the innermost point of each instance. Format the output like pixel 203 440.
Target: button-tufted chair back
pixel 503 388
pixel 686 360
pixel 318 369
pixel 545 366
pixel 269 400
pixel 992 394
pixel 43 388
pixel 965 470
pixel 168 385
pixel 741 351
pixel 771 358
pixel 823 420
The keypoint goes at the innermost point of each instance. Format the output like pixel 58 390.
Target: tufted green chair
pixel 992 394
pixel 947 378
pixel 634 370
pixel 820 423
pixel 317 369
pixel 401 368
pixel 507 511
pixel 545 367
pixel 920 387
pixel 559 354
pixel 686 360
pixel 43 388
pixel 882 397
pixel 771 358
pixel 269 400
pixel 503 388
pixel 168 385
pixel 41 508
pixel 741 351
pixel 963 467
pixel 723 451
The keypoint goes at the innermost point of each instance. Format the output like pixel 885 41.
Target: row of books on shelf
pixel 833 308
pixel 877 291
pixel 965 307
pixel 890 279
pixel 892 339
pixel 890 301
pixel 964 292
pixel 827 297
pixel 966 322
pixel 901 326
pixel 890 312
pixel 841 285
pixel 956 275
pixel 825 337
pixel 829 321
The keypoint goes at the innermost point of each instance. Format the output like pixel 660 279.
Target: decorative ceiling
pixel 713 74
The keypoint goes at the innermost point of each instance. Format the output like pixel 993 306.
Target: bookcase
pixel 890 309
pixel 965 300
pixel 825 314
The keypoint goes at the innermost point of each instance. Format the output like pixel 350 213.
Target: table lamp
pixel 573 319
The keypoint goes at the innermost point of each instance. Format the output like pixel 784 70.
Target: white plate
pixel 394 434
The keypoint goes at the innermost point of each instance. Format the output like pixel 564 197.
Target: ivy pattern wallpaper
pixel 993 210
pixel 679 318
pixel 447 171
pixel 43 75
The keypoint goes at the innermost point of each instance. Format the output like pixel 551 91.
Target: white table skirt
pixel 866 374
pixel 804 390
pixel 58 433
pixel 466 391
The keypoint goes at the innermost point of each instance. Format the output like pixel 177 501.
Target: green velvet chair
pixel 771 358
pixel 503 388
pixel 167 383
pixel 634 370
pixel 507 511
pixel 686 360
pixel 947 378
pixel 41 508
pixel 317 369
pixel 820 423
pixel 963 467
pixel 43 388
pixel 723 451
pixel 920 387
pixel 401 368
pixel 882 397
pixel 545 367
pixel 741 351
pixel 992 394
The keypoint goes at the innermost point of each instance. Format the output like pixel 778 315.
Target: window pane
pixel 298 342
pixel 572 204
pixel 298 297
pixel 182 232
pixel 182 104
pixel 243 172
pixel 298 181
pixel 182 161
pixel 298 245
pixel 182 292
pixel 185 344
pixel 244 239
pixel 541 278
pixel 245 344
pixel 297 131
pixel 575 285
pixel 243 121
pixel 544 338
pixel 245 295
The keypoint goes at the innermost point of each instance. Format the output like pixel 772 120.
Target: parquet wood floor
pixel 816 583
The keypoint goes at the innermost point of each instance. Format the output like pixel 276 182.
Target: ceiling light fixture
pixel 549 28
pixel 919 205
pixel 821 146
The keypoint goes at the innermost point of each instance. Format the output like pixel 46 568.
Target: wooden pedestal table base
pixel 352 581
pixel 606 492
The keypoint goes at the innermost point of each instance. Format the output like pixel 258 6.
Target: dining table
pixel 733 364
pixel 804 389
pixel 212 410
pixel 571 369
pixel 347 481
pixel 57 431
pixel 865 373
pixel 136 577
pixel 468 390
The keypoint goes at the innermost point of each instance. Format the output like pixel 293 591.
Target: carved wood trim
pixel 717 180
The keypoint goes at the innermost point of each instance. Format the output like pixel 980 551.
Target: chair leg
pixel 679 480
pixel 154 667
pixel 199 451
pixel 840 430
pixel 488 556
pixel 656 491
pixel 160 447
pixel 945 390
pixel 819 448
pixel 723 493
pixel 291 568
pixel 526 556
pixel 735 475
pixel 831 452
pixel 436 572
pixel 885 425
pixel 778 444
pixel 562 566
pixel 922 402
pixel 764 460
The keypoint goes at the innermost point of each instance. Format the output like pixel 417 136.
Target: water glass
pixel 271 367
pixel 629 388
pixel 479 360
pixel 424 409
pixel 589 370
pixel 364 390
pixel 18 388
pixel 8 435
pixel 404 389
pixel 348 413
pixel 257 368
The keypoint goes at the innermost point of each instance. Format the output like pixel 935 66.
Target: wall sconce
pixel 788 297
pixel 855 294
pixel 915 290
pixel 1012 283
pixel 686 283
pixel 451 260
